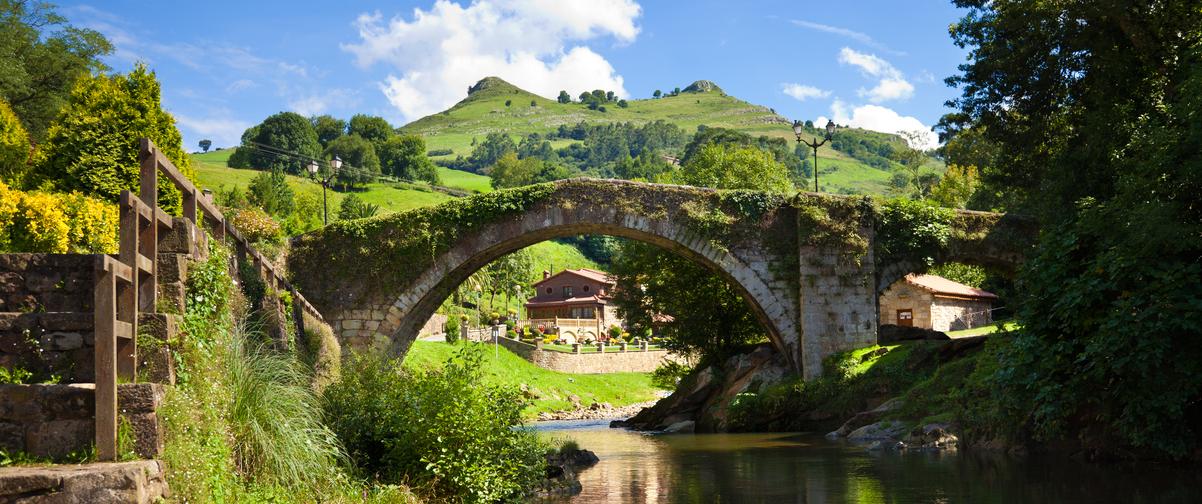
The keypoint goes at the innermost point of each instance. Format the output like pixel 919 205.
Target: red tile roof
pixel 591 274
pixel 570 301
pixel 943 287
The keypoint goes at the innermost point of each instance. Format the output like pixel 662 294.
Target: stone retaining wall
pixel 51 421
pixel 631 361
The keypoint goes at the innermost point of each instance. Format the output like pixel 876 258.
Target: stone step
pixel 137 482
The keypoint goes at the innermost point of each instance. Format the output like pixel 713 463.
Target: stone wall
pixel 50 421
pixel 46 314
pixel 904 296
pixel 956 314
pixel 631 361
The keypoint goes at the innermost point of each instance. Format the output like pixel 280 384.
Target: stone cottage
pixel 934 302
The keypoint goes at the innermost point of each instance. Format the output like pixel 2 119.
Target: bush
pixel 56 223
pixel 270 191
pixel 14 147
pixel 668 374
pixel 440 429
pixel 353 207
pixel 452 330
pixel 322 353
pixel 255 225
pixel 615 332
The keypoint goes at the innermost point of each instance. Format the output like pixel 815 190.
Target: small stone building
pixel 934 302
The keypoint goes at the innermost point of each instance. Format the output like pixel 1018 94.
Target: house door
pixel 905 318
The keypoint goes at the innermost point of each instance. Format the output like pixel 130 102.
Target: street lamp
pixel 798 127
pixel 335 164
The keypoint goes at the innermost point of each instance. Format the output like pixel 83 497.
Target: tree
pixel 809 124
pixel 956 187
pixel 609 96
pixel 1093 109
pixel 205 144
pixel 360 164
pixel 93 145
pixel 508 102
pixel 533 103
pixel 327 128
pixel 14 148
pixel 734 167
pixel 657 94
pixel 41 57
pixel 509 171
pixel 404 156
pixel 270 191
pixel 488 152
pixel 374 129
pixel 623 104
pixel 275 144
pixel 676 92
pixel 564 97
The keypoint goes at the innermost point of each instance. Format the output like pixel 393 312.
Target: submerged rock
pixel 682 427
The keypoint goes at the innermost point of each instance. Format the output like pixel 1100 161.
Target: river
pixel 806 468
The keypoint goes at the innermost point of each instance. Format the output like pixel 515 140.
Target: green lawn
pixel 467 181
pixel 1010 325
pixel 214 173
pixel 551 388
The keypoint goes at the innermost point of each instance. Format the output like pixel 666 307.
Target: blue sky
pixel 227 65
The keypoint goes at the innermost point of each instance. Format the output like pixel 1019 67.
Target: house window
pixel 550 290
pixel 585 288
pixel 567 291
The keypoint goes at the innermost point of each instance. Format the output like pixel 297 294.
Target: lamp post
pixel 496 340
pixel 335 164
pixel 798 127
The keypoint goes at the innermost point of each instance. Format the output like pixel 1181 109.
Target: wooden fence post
pixel 104 325
pixel 127 295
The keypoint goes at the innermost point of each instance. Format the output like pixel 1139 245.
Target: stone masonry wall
pixel 838 302
pixel 956 314
pixel 904 296
pixel 56 420
pixel 631 361
pixel 46 314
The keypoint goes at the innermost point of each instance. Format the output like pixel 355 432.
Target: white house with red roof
pixel 934 302
pixel 576 302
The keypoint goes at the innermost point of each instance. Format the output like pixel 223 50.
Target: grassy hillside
pixel 214 173
pixel 484 111
pixel 550 389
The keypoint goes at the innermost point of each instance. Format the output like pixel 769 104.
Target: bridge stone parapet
pixel 804 263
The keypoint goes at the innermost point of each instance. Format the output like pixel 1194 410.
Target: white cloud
pixel 239 85
pixel 860 37
pixel 319 103
pixel 892 85
pixel 883 119
pixel 802 92
pixel 440 52
pixel 223 131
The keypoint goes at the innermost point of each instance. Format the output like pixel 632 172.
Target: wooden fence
pixel 127 285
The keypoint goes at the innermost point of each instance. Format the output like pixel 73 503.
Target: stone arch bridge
pixel 809 265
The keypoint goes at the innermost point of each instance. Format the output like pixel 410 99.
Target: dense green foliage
pixel 327 128
pixel 912 231
pixel 360 164
pixel 270 192
pixel 513 172
pixel 442 429
pixel 275 144
pixel 14 147
pixel 404 157
pixel 353 207
pixel 778 147
pixel 1108 352
pixel 374 129
pixel 41 56
pixel 733 167
pixel 93 146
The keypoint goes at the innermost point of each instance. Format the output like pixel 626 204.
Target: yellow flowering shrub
pixel 39 225
pixel 255 225
pixel 56 223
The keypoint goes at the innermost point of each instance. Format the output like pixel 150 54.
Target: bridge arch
pixel 805 263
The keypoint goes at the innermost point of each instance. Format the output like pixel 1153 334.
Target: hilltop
pixel 484 110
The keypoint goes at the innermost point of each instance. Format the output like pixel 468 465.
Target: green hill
pixel 484 111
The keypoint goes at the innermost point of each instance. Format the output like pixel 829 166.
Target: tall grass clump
pixel 441 430
pixel 275 420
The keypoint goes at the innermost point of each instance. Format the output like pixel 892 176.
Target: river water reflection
pixel 805 468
